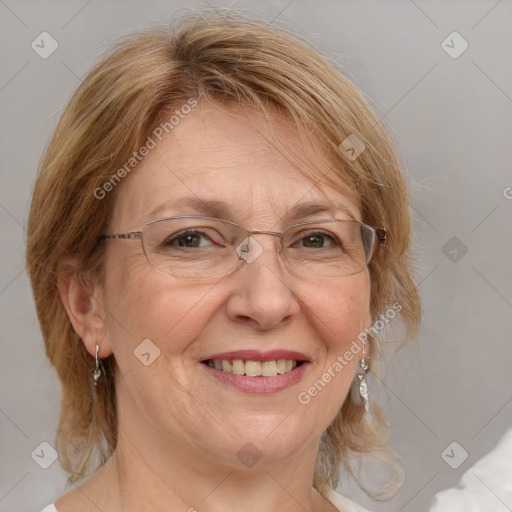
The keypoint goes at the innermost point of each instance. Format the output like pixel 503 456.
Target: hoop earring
pixel 98 370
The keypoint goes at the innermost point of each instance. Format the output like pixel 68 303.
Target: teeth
pixel 254 368
pixel 269 369
pixel 238 366
pixel 281 366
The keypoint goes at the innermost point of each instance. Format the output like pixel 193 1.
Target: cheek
pixel 144 304
pixel 339 313
pixel 341 309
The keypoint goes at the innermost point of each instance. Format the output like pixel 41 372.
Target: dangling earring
pixel 363 385
pixel 96 392
pixel 98 370
pixel 359 390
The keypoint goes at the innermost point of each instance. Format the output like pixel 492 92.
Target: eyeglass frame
pixel 380 234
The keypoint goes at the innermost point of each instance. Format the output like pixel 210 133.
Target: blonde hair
pixel 222 57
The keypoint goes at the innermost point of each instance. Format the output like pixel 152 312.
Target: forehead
pixel 222 156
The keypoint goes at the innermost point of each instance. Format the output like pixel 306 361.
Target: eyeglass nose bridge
pixel 248 250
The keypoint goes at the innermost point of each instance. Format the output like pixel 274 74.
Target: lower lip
pixel 259 385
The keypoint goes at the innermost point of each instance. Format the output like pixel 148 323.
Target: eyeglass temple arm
pixel 381 234
pixel 134 235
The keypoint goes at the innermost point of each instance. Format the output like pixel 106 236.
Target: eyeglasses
pixel 191 247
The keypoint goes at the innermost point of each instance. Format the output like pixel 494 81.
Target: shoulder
pixel 342 503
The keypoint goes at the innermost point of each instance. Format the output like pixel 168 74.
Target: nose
pixel 262 294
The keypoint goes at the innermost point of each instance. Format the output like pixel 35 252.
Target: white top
pixel 343 504
pixel 487 485
pixel 340 502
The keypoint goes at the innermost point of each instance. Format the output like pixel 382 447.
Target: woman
pixel 218 233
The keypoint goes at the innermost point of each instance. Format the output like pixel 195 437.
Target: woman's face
pixel 166 392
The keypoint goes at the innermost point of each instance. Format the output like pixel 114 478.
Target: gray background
pixel 453 122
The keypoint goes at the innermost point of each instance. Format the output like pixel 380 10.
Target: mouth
pixel 250 368
pixel 256 372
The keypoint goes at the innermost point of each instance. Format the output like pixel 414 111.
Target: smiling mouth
pixel 250 368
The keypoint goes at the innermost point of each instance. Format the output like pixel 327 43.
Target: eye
pixel 192 239
pixel 316 240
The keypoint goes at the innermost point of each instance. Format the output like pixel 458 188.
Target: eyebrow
pixel 312 208
pixel 223 210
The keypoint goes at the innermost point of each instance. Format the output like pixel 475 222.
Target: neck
pixel 144 478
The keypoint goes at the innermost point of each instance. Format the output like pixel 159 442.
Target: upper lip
pixel 259 355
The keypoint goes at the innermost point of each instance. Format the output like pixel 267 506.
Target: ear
pixel 82 299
